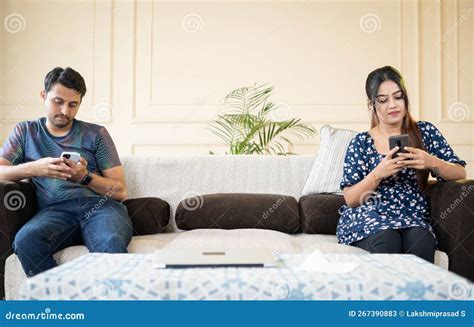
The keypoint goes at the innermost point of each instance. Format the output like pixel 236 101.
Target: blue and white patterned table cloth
pixel 132 276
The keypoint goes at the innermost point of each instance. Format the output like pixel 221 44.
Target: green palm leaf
pixel 247 128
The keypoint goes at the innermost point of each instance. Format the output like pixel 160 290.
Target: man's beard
pixel 60 123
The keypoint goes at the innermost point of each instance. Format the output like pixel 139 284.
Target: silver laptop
pixel 191 258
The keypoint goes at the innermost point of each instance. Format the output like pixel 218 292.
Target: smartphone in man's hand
pixel 74 156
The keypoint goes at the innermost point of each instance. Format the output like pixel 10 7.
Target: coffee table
pixel 132 276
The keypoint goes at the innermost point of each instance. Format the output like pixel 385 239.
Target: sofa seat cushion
pixel 216 239
pixel 324 243
pixel 328 244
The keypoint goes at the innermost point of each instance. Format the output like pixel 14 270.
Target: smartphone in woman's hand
pixel 398 140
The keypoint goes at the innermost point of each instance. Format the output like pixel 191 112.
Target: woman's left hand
pixel 419 159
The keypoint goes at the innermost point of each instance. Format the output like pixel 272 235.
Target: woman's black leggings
pixel 414 240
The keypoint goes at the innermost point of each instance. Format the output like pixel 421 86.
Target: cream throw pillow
pixel 327 170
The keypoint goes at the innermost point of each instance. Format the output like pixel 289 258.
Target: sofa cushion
pixel 217 239
pixel 328 244
pixel 239 210
pixel 328 167
pixel 148 215
pixel 319 213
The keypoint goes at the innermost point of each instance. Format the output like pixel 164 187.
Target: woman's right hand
pixel 388 166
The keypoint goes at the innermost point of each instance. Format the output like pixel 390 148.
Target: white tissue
pixel 316 262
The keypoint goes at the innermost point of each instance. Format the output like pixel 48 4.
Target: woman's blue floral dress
pixel 397 202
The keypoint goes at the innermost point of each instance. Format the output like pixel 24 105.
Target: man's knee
pixel 114 243
pixel 27 239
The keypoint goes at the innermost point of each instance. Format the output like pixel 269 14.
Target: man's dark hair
pixel 67 77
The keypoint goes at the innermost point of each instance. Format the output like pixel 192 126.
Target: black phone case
pixel 398 140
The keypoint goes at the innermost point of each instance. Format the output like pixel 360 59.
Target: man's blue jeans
pixel 99 222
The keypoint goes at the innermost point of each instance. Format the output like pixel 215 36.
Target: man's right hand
pixel 50 167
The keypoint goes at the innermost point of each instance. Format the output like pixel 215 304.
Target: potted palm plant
pixel 250 125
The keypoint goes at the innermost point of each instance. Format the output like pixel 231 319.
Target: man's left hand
pixel 79 170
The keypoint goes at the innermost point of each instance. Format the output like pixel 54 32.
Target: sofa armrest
pixel 17 206
pixel 452 211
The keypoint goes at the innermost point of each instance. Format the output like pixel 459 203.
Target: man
pixel 77 201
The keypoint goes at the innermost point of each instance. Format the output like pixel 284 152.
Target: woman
pixel 385 209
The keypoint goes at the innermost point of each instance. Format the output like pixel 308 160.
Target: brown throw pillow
pixel 239 210
pixel 148 215
pixel 319 213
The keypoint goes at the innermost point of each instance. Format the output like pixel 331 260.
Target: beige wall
pixel 157 71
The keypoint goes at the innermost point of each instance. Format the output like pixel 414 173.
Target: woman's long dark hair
pixel 374 79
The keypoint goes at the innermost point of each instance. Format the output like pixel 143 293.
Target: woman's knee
pixel 385 241
pixel 420 242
